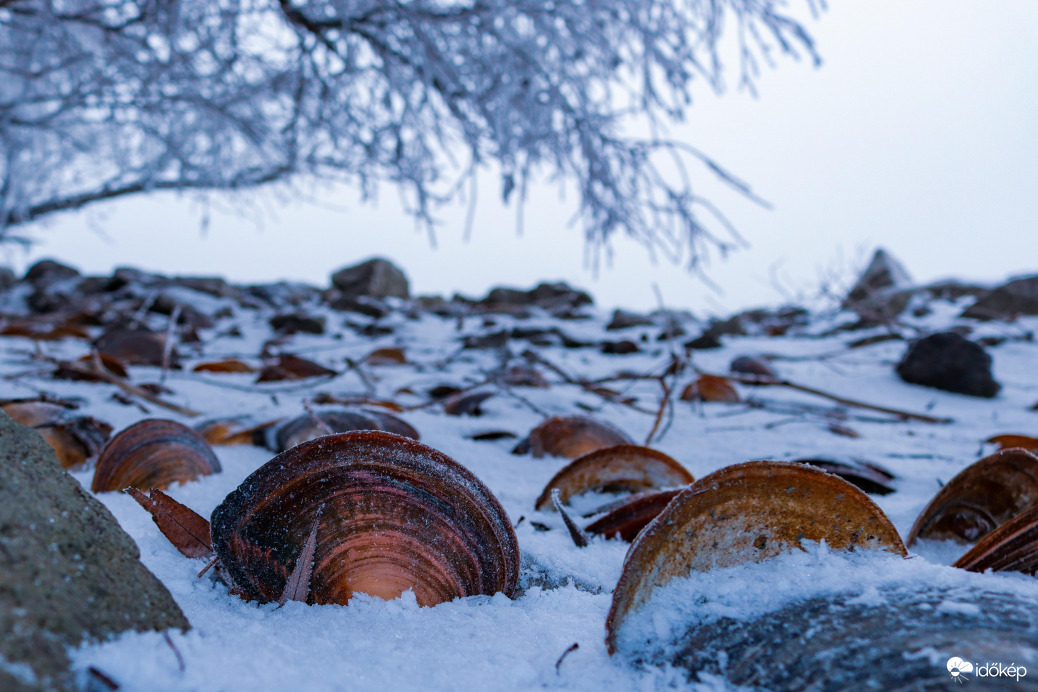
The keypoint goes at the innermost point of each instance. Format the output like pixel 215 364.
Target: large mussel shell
pixel 629 468
pixel 573 436
pixel 153 453
pixel 746 513
pixel 980 498
pixel 899 642
pixel 309 426
pixel 394 515
pixel 1011 547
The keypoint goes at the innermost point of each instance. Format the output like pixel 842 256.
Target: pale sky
pixel 916 134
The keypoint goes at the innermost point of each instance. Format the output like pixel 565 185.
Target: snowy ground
pixel 492 642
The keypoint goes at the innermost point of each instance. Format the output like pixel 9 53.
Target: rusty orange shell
pixel 980 497
pixel 1012 547
pixel 629 468
pixel 153 453
pixel 573 436
pixel 746 513
pixel 391 514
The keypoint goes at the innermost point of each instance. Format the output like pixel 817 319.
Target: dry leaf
pixel 466 404
pixel 1020 441
pixel 386 356
pixel 711 388
pixel 186 529
pixel 843 430
pixel 755 367
pixel 297 587
pixel 291 367
pixel 228 365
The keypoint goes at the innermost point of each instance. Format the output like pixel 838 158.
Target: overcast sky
pixel 917 134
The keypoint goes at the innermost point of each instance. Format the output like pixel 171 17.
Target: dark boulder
pixel 48 271
pixel 1007 302
pixel 70 573
pixel 375 278
pixel 950 362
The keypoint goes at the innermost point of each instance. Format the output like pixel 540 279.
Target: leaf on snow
pixel 187 530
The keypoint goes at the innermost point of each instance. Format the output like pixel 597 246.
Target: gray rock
pixel 951 362
pixel 624 320
pixel 70 573
pixel 1007 302
pixel 376 278
pixel 48 271
pixel 550 296
pixel 7 278
pixel 883 273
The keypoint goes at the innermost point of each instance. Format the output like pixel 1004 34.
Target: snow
pixel 497 643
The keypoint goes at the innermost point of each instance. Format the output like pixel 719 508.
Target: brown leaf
pixel 386 356
pixel 87 372
pixel 291 367
pixel 711 388
pixel 227 365
pixel 1020 441
pixel 843 430
pixel 466 404
pixel 297 588
pixel 186 529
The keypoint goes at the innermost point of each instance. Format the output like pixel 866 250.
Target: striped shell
pixel 629 468
pixel 153 453
pixel 980 498
pixel 746 513
pixel 394 515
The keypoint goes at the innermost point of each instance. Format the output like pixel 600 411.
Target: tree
pixel 101 99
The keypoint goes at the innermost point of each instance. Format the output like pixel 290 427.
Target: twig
pixel 167 344
pixel 664 400
pixel 533 356
pixel 101 372
pixel 176 652
pixel 317 419
pixel 573 647
pixel 575 532
pixel 907 415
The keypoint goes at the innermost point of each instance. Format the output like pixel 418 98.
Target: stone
pixel 293 323
pixel 623 319
pixel 951 362
pixel 884 272
pixel 375 278
pixel 7 278
pixel 70 573
pixel 48 271
pixel 549 296
pixel 1007 302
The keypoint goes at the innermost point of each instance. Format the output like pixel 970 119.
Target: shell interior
pixel 394 515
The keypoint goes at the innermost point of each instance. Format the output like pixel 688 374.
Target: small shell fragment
pixel 573 436
pixel 394 515
pixel 153 453
pixel 626 519
pixel 746 513
pixel 629 468
pixel 980 497
pixel 312 425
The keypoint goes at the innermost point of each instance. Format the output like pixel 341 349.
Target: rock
pixel 549 296
pixel 625 320
pixel 376 278
pixel 950 362
pixel 48 271
pixel 619 348
pixel 705 341
pixel 1007 302
pixel 7 278
pixel 293 323
pixel 363 305
pixel 884 272
pixel 284 293
pixel 70 574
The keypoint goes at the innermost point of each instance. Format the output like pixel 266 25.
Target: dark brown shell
pixel 630 468
pixel 625 520
pixel 746 513
pixel 394 515
pixel 337 420
pixel 573 436
pixel 872 478
pixel 980 498
pixel 1010 547
pixel 153 453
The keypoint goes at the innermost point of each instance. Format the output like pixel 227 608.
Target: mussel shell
pixel 625 520
pixel 573 436
pixel 871 478
pixel 235 430
pixel 980 498
pixel 394 515
pixel 833 642
pixel 1011 547
pixel 304 427
pixel 75 439
pixel 153 453
pixel 629 468
pixel 746 513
